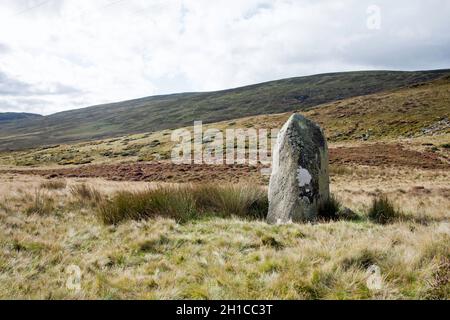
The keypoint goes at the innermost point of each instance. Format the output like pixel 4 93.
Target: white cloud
pixel 109 50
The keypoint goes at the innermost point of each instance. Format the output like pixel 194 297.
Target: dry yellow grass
pixel 415 191
pixel 40 254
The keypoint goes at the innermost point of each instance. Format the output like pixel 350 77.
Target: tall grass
pixel 173 203
pixel 240 200
pixel 383 211
pixel 54 184
pixel 329 209
pixel 86 194
pixel 41 204
pixel 185 202
pixel 4 205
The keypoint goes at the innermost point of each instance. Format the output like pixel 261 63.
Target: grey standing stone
pixel 300 180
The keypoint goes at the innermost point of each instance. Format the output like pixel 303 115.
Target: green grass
pixel 185 202
pixel 41 204
pixel 190 202
pixel 383 211
pixel 329 209
pixel 170 203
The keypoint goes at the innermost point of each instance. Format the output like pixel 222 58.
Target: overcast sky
pixel 63 54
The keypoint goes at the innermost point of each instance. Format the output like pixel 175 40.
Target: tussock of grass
pixel 54 184
pixel 241 200
pixel 186 202
pixel 383 211
pixel 41 204
pixel 329 209
pixel 154 245
pixel 29 246
pixel 361 259
pixel 175 203
pixel 84 193
pixel 271 242
pixel 4 206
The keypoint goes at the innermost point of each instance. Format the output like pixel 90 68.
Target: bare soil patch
pixel 154 171
pixel 384 155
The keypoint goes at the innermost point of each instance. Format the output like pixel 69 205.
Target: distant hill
pixel 178 110
pixel 14 116
pixel 418 114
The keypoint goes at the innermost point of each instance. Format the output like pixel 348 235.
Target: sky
pixel 57 55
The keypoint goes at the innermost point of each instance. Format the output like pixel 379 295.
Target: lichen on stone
pixel 304 177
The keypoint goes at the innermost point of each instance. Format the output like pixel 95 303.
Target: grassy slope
pixel 388 115
pixel 173 111
pixel 9 117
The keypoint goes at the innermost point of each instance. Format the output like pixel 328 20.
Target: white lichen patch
pixel 303 177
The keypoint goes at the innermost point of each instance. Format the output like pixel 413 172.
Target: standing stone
pixel 300 180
